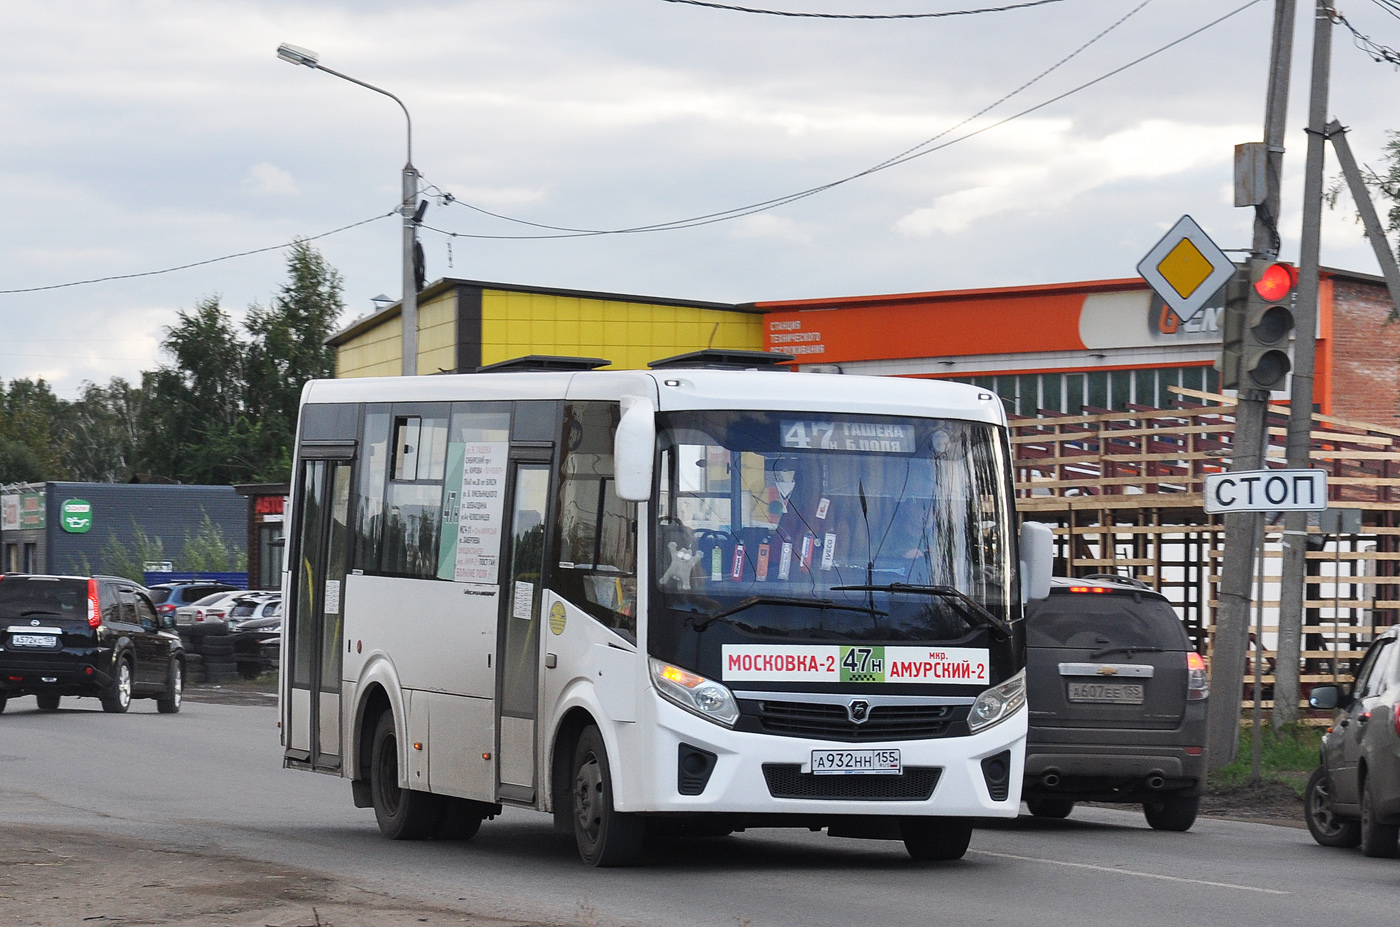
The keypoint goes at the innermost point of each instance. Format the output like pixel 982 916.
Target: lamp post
pixel 295 55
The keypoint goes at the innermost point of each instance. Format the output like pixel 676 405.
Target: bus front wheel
pixel 403 814
pixel 929 839
pixel 605 836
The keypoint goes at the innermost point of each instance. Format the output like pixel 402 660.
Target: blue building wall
pixel 168 512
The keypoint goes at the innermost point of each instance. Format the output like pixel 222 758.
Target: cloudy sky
pixel 145 134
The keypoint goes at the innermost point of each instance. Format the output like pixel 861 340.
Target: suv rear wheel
pixel 1175 812
pixel 1377 839
pixel 117 698
pixel 1324 825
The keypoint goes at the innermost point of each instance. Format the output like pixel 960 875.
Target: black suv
pixel 1117 702
pixel 86 636
pixel 1354 796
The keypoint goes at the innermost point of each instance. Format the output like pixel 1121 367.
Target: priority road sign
pixel 1266 491
pixel 1186 268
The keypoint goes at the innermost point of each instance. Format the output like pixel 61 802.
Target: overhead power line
pixel 171 270
pixel 761 12
pixel 917 151
pixel 1377 51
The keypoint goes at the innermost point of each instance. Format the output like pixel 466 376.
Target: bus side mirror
pixel 634 446
pixel 1037 560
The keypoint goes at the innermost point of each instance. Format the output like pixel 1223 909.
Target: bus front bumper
pixel 762 774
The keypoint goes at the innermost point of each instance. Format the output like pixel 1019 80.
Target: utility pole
pixel 1293 584
pixel 1237 567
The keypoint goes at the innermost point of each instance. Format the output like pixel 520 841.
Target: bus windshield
pixel 765 520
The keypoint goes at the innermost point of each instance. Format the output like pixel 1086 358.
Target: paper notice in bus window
pixel 761 570
pixel 524 605
pixel 828 551
pixel 840 663
pixel 332 597
pixel 475 544
pixel 785 561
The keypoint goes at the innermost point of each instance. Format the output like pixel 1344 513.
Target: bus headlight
pixel 998 703
pixel 694 693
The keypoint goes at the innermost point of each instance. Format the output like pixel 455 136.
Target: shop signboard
pixel 75 516
pixel 22 511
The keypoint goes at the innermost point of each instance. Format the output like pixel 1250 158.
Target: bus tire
pixel 936 839
pixel 1050 807
pixel 605 837
pixel 403 814
pixel 460 820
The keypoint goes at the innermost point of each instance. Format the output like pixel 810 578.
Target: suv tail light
pixel 1197 683
pixel 166 609
pixel 1397 718
pixel 94 610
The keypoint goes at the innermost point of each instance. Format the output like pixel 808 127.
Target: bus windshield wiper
pixel 1128 650
pixel 963 602
pixel 804 602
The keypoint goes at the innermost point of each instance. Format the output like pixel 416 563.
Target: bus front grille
pixel 831 722
pixel 787 780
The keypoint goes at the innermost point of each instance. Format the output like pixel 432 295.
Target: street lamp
pixel 294 55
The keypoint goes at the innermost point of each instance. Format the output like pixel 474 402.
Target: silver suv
pixel 1117 702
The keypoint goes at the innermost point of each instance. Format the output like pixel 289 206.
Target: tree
pixel 195 427
pixel 102 432
pixel 29 449
pixel 288 347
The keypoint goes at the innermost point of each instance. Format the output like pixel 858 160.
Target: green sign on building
pixel 75 515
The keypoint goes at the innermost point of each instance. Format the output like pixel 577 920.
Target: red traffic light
pixel 1277 282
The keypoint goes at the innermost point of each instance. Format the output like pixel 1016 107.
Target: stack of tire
pixel 213 645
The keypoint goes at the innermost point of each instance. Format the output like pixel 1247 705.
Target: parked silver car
pixel 1354 795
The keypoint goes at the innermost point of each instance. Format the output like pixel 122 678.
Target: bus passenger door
pixel 519 639
pixel 313 615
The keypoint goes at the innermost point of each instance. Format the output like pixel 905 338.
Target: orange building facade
pixel 1085 347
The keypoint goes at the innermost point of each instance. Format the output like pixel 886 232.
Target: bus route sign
pixel 934 665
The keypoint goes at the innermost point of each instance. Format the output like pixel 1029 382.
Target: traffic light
pixel 1237 290
pixel 1268 321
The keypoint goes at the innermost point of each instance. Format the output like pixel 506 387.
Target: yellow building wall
pixel 629 334
pixel 437 334
pixel 378 352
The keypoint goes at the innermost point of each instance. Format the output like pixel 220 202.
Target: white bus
pixel 690 598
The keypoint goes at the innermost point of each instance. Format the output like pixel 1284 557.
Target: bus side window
pixel 369 507
pixel 413 509
pixel 595 532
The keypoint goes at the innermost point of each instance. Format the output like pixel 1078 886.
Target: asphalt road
pixel 209 781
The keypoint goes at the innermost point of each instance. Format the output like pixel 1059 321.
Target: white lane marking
pixel 1131 872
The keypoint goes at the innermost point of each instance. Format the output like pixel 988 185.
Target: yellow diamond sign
pixel 1186 268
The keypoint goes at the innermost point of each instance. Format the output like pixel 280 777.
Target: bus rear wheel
pixel 605 836
pixel 934 839
pixel 403 814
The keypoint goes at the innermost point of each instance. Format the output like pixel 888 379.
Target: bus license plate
pixel 33 640
pixel 856 763
pixel 1108 693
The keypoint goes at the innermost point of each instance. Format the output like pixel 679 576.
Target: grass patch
pixel 1288 755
